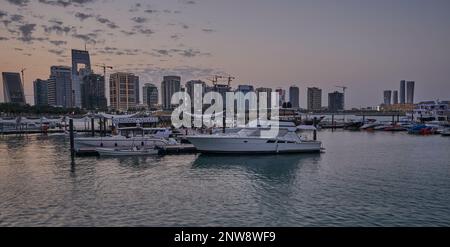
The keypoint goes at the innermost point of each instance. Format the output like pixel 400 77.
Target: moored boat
pixel 126 152
pixel 252 140
pixel 446 132
pixel 127 138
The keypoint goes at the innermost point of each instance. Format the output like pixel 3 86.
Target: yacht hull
pixel 251 145
pixel 114 152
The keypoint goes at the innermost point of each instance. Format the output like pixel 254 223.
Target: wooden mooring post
pixel 72 138
pixel 93 127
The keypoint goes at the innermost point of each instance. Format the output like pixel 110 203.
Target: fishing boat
pixel 127 152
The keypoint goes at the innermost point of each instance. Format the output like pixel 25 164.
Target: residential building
pixel 123 91
pixel 40 88
pixel 12 88
pixel 93 92
pixel 169 86
pixel 335 101
pixel 151 95
pixel 314 97
pixel 294 96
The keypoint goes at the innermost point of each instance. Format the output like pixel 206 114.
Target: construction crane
pixel 23 76
pixel 344 88
pixel 230 79
pixel 104 66
pixel 215 79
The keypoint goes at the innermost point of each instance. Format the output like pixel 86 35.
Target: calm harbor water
pixel 363 179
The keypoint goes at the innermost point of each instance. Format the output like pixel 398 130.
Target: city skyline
pixel 365 45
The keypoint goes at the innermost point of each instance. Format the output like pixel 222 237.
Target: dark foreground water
pixel 363 179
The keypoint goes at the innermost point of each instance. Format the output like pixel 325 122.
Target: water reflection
pixel 271 167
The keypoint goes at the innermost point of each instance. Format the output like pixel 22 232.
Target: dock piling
pixel 315 130
pixel 93 127
pixel 72 138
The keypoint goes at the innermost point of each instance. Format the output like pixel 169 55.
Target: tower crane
pixel 215 79
pixel 104 66
pixel 230 79
pixel 23 76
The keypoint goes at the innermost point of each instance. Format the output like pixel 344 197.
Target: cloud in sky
pixel 18 2
pixel 366 46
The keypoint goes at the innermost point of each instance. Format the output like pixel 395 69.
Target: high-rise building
pixel 137 91
pixel 222 89
pixel 190 85
pixel 82 58
pixel 314 99
pixel 245 89
pixel 169 86
pixel 335 102
pixel 395 97
pixel 40 88
pixel 123 91
pixel 282 94
pixel 13 88
pixel 402 92
pixel 410 92
pixel 387 97
pixel 151 95
pixel 93 92
pixel 269 96
pixel 294 96
pixel 60 87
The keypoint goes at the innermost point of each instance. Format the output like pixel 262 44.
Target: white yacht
pixel 431 111
pixel 250 140
pixel 128 138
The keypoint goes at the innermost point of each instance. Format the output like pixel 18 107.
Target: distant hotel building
pixel 410 92
pixel 294 96
pixel 13 88
pixel 314 99
pixel 60 87
pixel 169 86
pixel 40 88
pixel 387 97
pixel 79 57
pixel 93 92
pixel 402 92
pixel 151 95
pixel 335 102
pixel 123 91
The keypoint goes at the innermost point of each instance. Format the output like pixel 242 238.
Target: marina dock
pixel 167 150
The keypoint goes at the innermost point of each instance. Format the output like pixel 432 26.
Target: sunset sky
pixel 368 46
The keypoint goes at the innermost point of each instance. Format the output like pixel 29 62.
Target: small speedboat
pixel 445 132
pixel 126 152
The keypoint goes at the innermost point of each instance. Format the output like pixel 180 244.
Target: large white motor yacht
pixel 250 140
